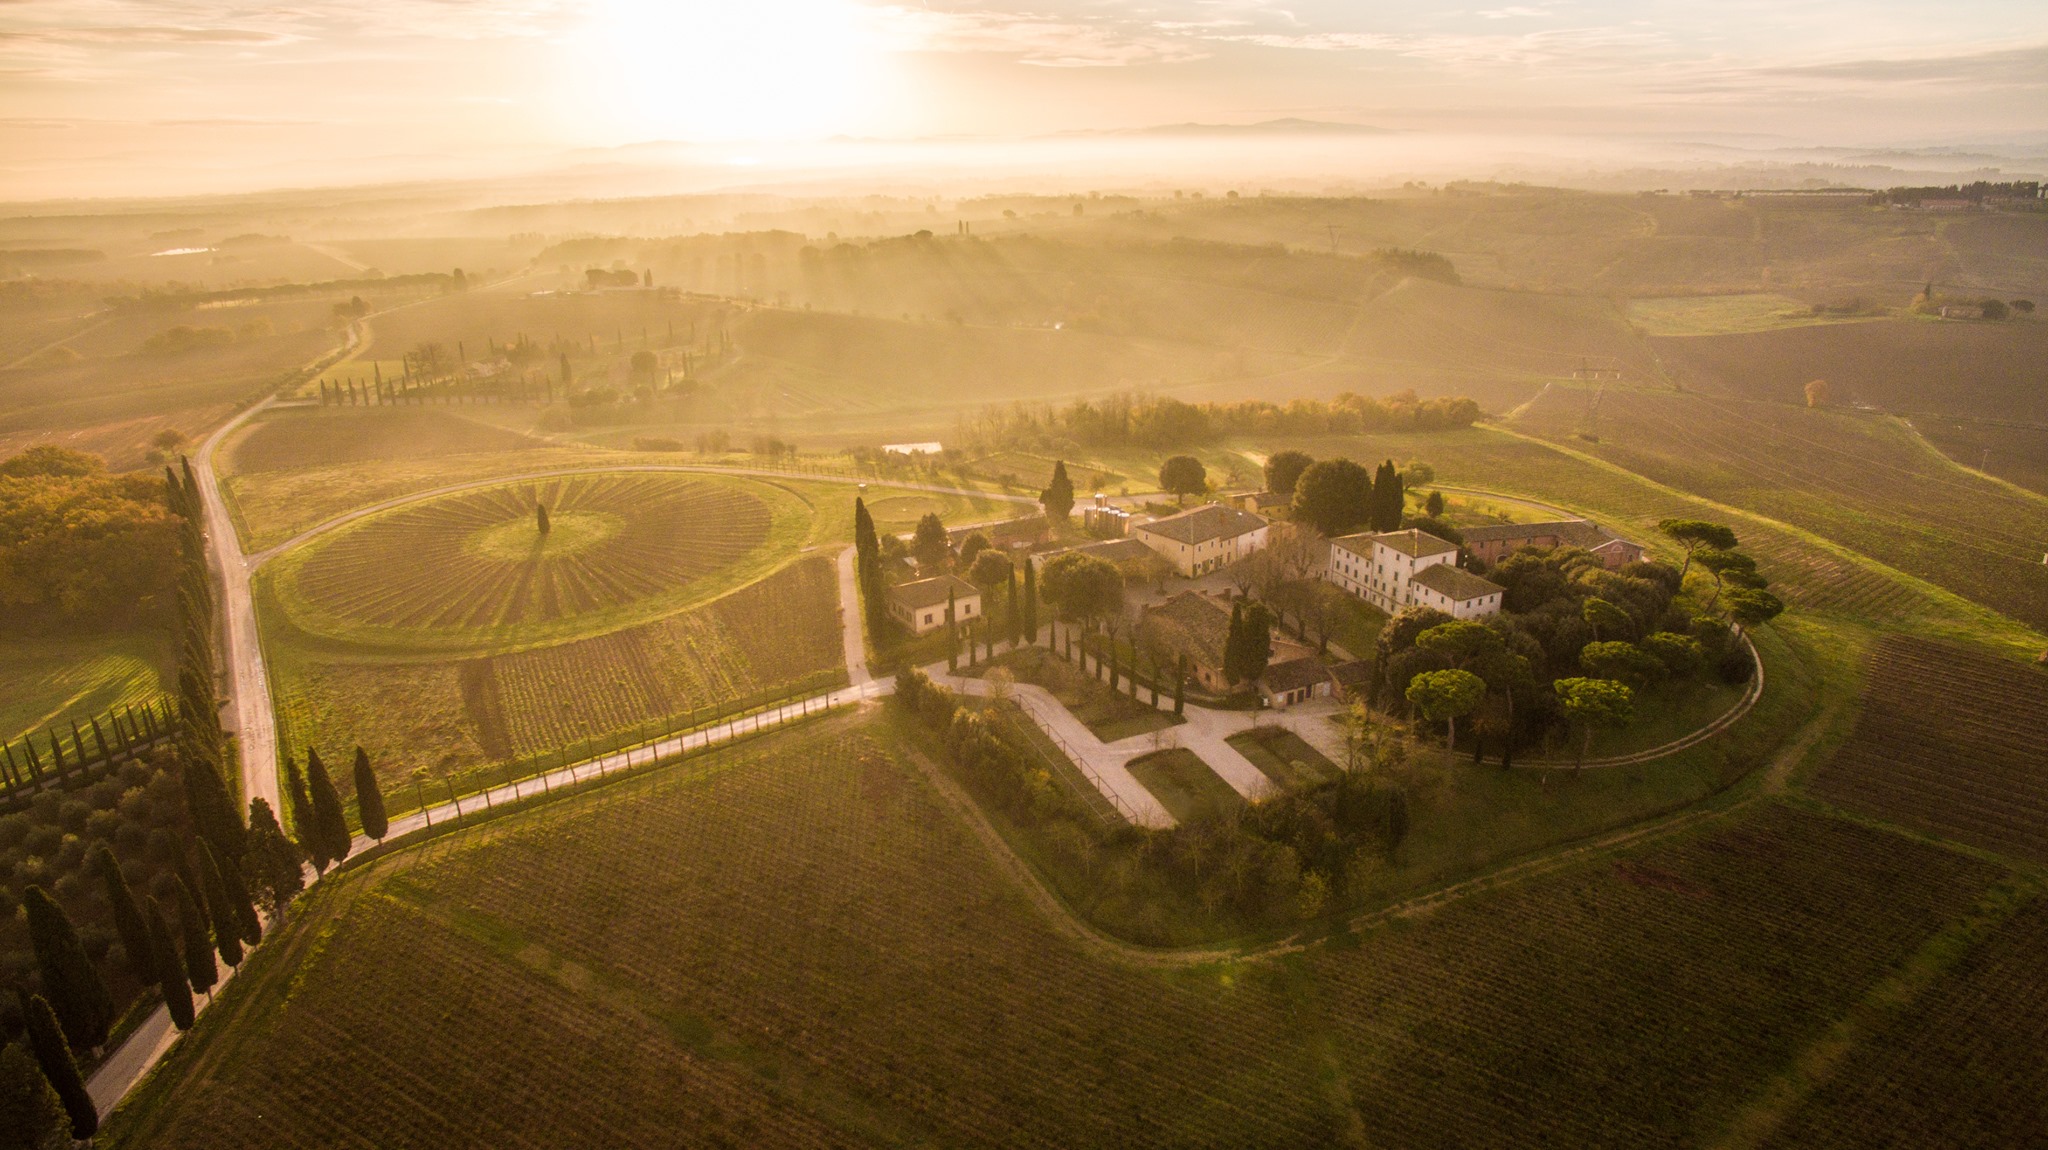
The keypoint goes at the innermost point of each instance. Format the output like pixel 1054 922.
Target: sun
pixel 757 70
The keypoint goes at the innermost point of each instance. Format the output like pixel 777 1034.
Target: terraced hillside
pixel 1950 742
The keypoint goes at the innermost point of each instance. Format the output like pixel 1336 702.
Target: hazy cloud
pixel 1037 40
pixel 2023 66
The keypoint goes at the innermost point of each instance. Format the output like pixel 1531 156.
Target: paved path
pixel 851 639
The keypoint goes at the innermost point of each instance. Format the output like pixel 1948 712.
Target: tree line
pixel 1131 420
pixel 201 909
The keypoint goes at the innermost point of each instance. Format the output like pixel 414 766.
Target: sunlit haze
pixel 222 97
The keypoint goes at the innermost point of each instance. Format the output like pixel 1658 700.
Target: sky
pixel 136 97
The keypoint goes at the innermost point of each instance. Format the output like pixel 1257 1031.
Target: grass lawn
pixel 1185 785
pixel 1663 713
pixel 1111 715
pixel 1285 757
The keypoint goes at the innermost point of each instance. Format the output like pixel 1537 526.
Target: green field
pixel 46 681
pixel 1185 785
pixel 471 570
pixel 1721 314
pixel 461 716
pixel 927 997
pixel 1285 758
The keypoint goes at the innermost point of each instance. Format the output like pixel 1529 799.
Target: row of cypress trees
pixel 319 816
pixel 212 914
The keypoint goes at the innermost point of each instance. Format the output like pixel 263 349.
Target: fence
pixel 26 772
pixel 479 783
pixel 1102 790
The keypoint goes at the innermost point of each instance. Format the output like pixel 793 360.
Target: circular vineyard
pixel 478 559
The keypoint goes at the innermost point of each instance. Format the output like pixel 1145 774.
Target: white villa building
pixel 1204 539
pixel 1410 568
pixel 921 606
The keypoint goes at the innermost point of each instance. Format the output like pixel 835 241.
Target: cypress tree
pixel 1388 498
pixel 220 909
pixel 275 862
pixel 197 937
pixel 328 820
pixel 303 820
pixel 866 544
pixel 72 983
pixel 31 1114
pixel 238 897
pixel 213 812
pixel 1030 603
pixel 53 1054
pixel 1233 644
pixel 127 916
pixel 170 968
pixel 1014 624
pixel 1058 496
pixel 369 799
pixel 540 516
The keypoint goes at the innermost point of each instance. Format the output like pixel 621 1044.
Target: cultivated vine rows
pixel 1949 742
pixel 1629 1006
pixel 1965 1068
pixel 422 567
pixel 819 908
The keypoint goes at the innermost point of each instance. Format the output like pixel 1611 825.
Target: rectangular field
pixel 1187 787
pixel 459 718
pixel 46 681
pixel 1950 742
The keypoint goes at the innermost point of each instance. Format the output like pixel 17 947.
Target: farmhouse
pixel 1193 625
pixel 1263 502
pixel 1495 543
pixel 921 606
pixel 1410 569
pixel 1204 539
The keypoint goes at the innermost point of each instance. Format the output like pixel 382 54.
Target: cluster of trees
pixel 186 338
pixel 320 819
pixel 1338 496
pixel 1976 192
pixel 1127 420
pixel 597 278
pixel 205 872
pixel 1577 644
pixel 80 547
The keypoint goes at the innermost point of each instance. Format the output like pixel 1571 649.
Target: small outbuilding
pixel 1295 681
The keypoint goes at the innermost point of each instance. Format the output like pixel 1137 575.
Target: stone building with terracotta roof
pixel 1410 568
pixel 1204 539
pixel 1496 542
